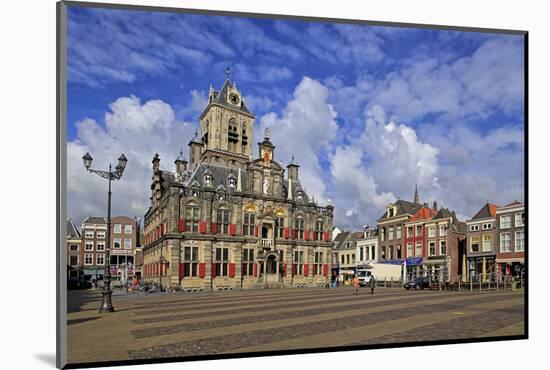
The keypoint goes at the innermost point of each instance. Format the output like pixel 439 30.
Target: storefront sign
pixel 122 251
pixel 414 261
pixel 393 262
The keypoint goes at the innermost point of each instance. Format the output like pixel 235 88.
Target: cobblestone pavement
pixel 280 319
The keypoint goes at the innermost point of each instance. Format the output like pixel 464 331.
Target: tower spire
pixel 227 72
pixel 416 198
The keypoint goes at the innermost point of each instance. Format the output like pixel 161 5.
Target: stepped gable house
pixel 226 220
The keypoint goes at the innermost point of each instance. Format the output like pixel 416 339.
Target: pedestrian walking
pixel 355 282
pixel 334 279
pixel 372 284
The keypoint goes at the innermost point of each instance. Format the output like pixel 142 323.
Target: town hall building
pixel 228 220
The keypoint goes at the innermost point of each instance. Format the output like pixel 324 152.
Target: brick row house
pixel 426 241
pixel 510 239
pixel 74 259
pixel 225 220
pixel 415 240
pixel 481 244
pixel 124 246
pixel 446 244
pixel 94 236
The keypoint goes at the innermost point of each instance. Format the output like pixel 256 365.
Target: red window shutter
pixel 306 235
pixel 293 233
pixel 294 269
pixel 213 228
pixel 306 269
pixel 202 269
pixel 181 271
pixel 256 231
pixel 181 225
pixel 242 230
pixel 286 233
pixel 231 270
pixel 232 229
pixel 202 227
pixel 213 270
pixel 325 269
pixel 326 236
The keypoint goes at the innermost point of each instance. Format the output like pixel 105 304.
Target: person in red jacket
pixel 355 282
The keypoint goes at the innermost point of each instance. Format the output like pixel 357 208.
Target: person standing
pixel 355 282
pixel 372 284
pixel 333 279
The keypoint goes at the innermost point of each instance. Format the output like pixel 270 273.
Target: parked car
pixel 418 283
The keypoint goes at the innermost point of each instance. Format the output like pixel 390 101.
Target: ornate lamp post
pixel 106 304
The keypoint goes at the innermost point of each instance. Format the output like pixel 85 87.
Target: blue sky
pixel 368 111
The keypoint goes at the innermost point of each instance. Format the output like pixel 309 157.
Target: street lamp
pixel 106 303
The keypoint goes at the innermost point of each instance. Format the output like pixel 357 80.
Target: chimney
pixel 435 206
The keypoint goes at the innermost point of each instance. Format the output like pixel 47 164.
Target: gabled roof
pixel 457 225
pixel 424 213
pixel 341 238
pixel 220 97
pixel 514 203
pixel 487 211
pixel 72 230
pixel 403 208
pixel 444 213
pixel 94 220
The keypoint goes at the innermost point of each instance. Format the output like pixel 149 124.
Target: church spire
pixel 416 198
pixel 227 72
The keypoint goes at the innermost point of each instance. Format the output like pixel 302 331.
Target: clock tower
pixel 226 125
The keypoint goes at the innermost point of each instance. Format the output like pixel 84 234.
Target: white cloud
pixel 135 129
pixel 305 129
pixel 383 163
pixel 468 88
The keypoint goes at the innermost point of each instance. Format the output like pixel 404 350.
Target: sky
pixel 367 111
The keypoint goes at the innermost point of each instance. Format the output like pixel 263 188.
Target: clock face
pixel 234 98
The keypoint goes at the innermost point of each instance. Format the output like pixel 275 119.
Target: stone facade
pixel 225 220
